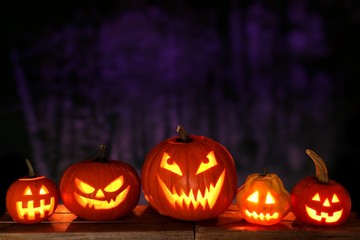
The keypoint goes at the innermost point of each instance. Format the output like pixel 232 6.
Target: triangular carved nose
pixel 99 194
pixel 326 203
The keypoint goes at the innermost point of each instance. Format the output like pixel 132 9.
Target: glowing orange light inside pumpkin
pixel 171 167
pixel 254 198
pixel 269 198
pixel 99 202
pixel 261 216
pixel 324 215
pixel 84 187
pixel 196 198
pixel 205 166
pixel 27 192
pixel 30 210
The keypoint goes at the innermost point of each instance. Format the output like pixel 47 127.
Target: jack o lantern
pixel 99 188
pixel 189 177
pixel 317 200
pixel 263 199
pixel 31 199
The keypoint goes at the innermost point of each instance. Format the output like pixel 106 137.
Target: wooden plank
pixel 142 223
pixel 231 225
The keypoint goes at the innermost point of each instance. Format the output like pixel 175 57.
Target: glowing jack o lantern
pixel 189 177
pixel 99 188
pixel 263 199
pixel 31 199
pixel 319 200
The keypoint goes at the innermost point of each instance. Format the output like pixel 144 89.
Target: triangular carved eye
pixel 209 164
pixel 173 167
pixel 84 187
pixel 43 190
pixel 27 191
pixel 316 197
pixel 335 199
pixel 269 198
pixel 115 185
pixel 254 197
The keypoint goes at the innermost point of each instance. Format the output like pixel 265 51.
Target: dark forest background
pixel 267 79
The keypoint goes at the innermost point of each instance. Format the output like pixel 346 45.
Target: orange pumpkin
pixel 99 188
pixel 319 200
pixel 189 177
pixel 263 199
pixel 31 199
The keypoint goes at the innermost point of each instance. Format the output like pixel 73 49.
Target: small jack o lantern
pixel 263 199
pixel 318 200
pixel 189 177
pixel 99 188
pixel 31 199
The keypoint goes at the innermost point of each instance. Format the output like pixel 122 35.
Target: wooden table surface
pixel 145 223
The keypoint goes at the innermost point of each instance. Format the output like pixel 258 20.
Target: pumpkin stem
pixel 266 171
pixel 321 171
pixel 102 154
pixel 31 169
pixel 184 136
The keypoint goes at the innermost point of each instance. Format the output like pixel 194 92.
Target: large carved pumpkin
pixel 263 199
pixel 317 200
pixel 31 199
pixel 189 177
pixel 99 188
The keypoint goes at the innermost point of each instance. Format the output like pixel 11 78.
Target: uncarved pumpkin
pixel 189 177
pixel 263 199
pixel 317 200
pixel 32 199
pixel 99 188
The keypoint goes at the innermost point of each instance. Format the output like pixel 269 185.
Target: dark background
pixel 267 79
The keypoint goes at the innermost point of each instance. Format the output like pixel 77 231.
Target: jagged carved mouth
pixel 31 211
pixel 262 216
pixel 195 199
pixel 323 215
pixel 102 204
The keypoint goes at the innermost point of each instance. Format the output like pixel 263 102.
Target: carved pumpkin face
pixel 32 199
pixel 263 199
pixel 189 180
pixel 103 197
pixel 320 204
pixel 318 200
pixel 96 190
pixel 193 196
